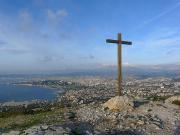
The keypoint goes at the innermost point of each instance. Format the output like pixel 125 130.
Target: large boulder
pixel 119 103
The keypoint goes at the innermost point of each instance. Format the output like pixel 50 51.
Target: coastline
pixel 57 93
pixel 41 86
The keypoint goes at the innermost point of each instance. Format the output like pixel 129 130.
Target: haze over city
pixel 46 35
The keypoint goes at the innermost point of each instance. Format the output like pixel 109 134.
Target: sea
pixel 18 93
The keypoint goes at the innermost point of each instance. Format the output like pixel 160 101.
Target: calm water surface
pixel 25 93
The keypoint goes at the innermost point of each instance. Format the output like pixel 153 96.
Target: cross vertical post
pixel 119 43
pixel 119 60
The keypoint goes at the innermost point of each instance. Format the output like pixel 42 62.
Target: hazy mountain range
pixel 141 71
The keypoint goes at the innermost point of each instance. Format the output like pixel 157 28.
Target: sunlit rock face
pixel 119 103
pixel 173 98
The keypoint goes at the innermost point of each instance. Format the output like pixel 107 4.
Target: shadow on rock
pixel 139 103
pixel 119 132
pixel 79 128
pixel 177 131
pixel 85 128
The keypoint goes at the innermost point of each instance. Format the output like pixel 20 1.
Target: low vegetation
pixel 158 98
pixel 9 121
pixel 176 102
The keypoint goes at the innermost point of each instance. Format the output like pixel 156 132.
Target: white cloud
pixel 161 38
pixel 56 15
pixel 158 16
pixel 90 56
pixel 158 47
pixel 126 64
pixel 48 58
pixel 2 43
pixel 39 3
pixel 62 13
pixel 24 14
pixel 26 21
pixel 13 50
pixel 51 14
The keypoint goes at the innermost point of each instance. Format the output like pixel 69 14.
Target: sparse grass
pixel 24 112
pixel 176 102
pixel 158 98
pixel 9 121
pixel 19 121
pixel 8 114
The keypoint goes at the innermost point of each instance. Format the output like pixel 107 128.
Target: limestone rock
pixel 12 133
pixel 119 103
pixel 140 122
pixel 171 99
pixel 70 115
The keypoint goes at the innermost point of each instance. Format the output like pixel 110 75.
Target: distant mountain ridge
pixel 141 71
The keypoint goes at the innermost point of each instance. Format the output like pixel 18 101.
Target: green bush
pixel 176 102
pixel 158 98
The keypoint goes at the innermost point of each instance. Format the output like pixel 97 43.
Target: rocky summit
pixel 119 103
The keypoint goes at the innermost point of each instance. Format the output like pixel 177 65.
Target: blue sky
pixel 49 35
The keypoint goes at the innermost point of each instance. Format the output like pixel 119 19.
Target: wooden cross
pixel 119 75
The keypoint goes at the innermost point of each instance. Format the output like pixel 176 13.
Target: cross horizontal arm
pixel 126 42
pixel 112 41
pixel 117 41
